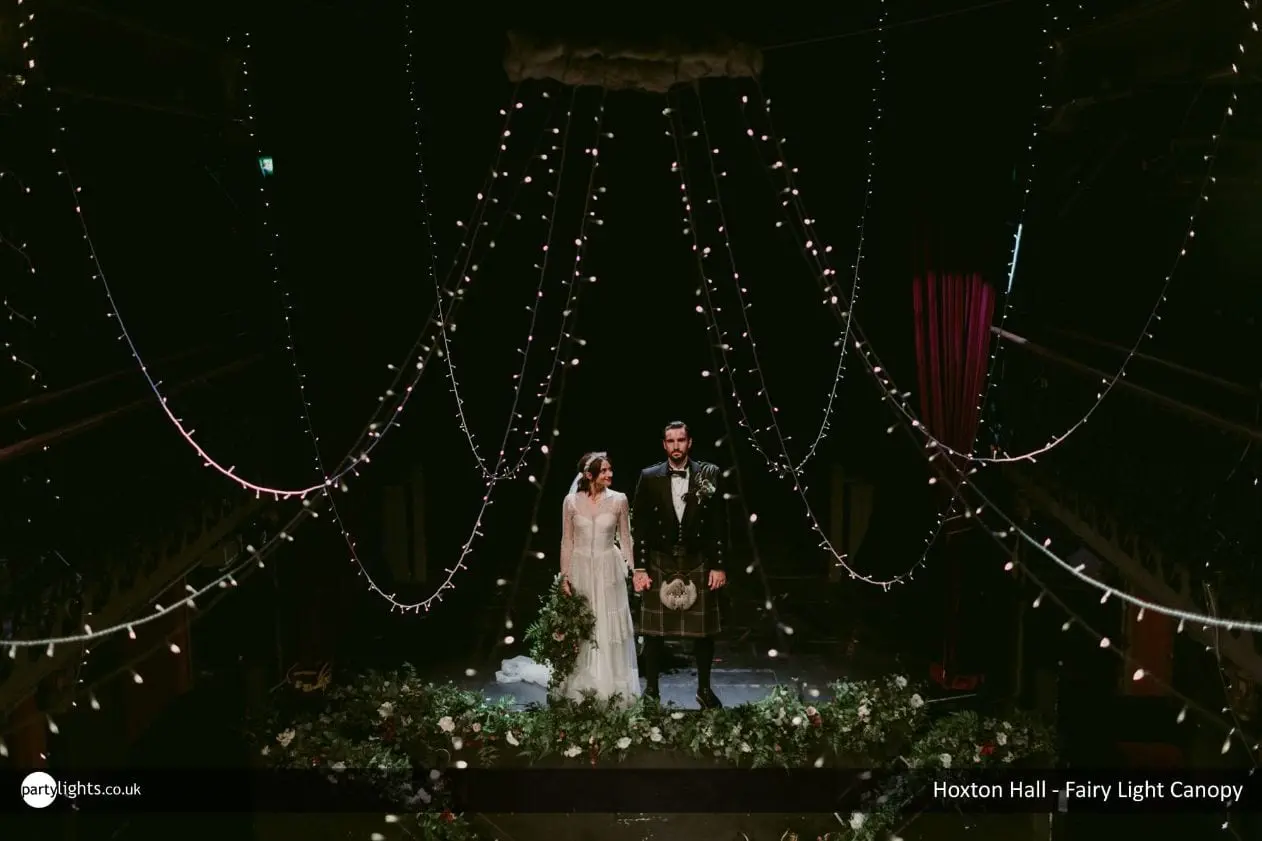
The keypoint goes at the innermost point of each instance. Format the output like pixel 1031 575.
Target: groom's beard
pixel 678 464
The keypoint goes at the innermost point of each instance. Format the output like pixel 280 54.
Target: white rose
pixel 624 743
pixel 900 682
pixel 655 734
pixel 511 739
pixel 573 751
pixel 945 759
pixel 745 748
pixel 863 712
pixel 285 737
pixel 446 724
pixel 266 750
pixel 677 716
pixel 811 712
pixel 457 743
pixel 1001 738
pixel 338 766
pixel 857 820
pixel 477 728
pixel 916 702
pixel 797 721
pixel 386 710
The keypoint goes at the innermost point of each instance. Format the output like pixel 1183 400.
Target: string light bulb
pixel 386 413
pixel 447 328
pixel 812 244
pixel 709 312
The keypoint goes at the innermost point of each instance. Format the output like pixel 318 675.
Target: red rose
pixel 447 816
pixel 987 749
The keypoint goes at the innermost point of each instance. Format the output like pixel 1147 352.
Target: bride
pixel 593 516
pixel 596 560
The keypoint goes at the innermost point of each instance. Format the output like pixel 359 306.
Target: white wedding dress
pixel 596 554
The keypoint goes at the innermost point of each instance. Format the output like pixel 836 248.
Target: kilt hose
pixel 679 603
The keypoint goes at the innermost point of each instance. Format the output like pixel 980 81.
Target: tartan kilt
pixel 671 616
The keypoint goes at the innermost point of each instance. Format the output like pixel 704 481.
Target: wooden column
pixel 850 510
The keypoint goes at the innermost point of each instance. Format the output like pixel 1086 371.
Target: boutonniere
pixel 702 490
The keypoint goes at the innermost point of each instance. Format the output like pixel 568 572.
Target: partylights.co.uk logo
pixel 39 790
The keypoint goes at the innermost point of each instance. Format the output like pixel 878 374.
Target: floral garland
pixel 387 721
pixel 564 623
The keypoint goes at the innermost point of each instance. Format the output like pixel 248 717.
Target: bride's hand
pixel 565 586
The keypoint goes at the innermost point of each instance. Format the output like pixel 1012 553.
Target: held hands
pixel 640 581
pixel 717 579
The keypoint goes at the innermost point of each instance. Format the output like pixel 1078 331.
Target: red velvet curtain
pixel 953 315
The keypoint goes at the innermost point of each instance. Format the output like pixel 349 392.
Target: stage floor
pixel 739 676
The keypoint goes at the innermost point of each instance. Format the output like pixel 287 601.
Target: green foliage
pixel 563 625
pixel 390 723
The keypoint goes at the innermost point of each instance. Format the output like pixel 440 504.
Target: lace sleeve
pixel 567 533
pixel 624 531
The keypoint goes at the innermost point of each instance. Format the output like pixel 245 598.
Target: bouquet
pixel 564 623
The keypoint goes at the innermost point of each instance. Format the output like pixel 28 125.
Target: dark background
pixel 178 215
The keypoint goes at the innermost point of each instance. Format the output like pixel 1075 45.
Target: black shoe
pixel 708 700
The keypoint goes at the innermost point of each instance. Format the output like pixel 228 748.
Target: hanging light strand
pixel 19 250
pixel 271 245
pixel 709 312
pixel 447 328
pixel 996 346
pixel 812 243
pixel 385 416
pixel 1107 384
pixel 467 548
pixel 719 360
pixel 575 282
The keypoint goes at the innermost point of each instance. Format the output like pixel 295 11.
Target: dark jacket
pixel 703 530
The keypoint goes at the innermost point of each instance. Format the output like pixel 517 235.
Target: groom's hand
pixel 640 581
pixel 717 578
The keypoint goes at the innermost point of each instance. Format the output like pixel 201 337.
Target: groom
pixel 679 526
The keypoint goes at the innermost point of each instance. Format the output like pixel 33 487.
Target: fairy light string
pixel 446 328
pixel 291 344
pixel 221 587
pixel 899 401
pixel 575 283
pixel 385 417
pixel 14 316
pixel 1153 317
pixel 813 244
pixel 996 346
pixel 718 353
pixel 1150 322
pixel 709 311
pixel 495 475
pixel 394 402
pixel 271 246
